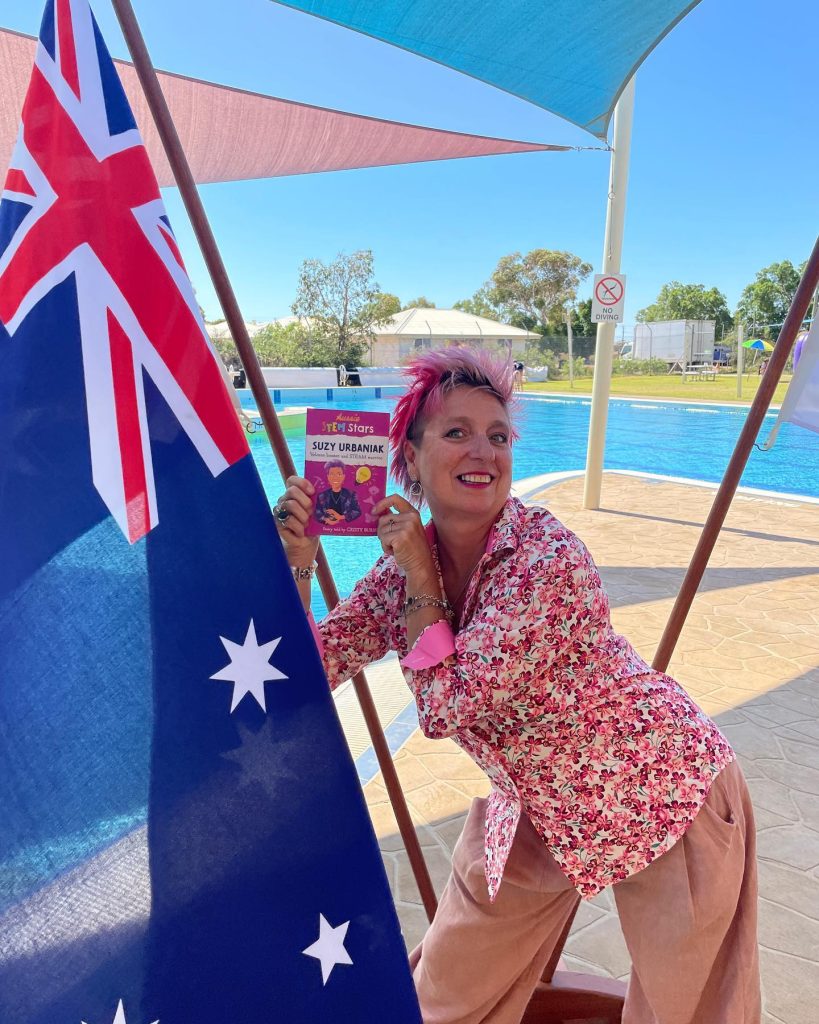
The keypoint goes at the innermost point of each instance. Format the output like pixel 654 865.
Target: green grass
pixel 723 389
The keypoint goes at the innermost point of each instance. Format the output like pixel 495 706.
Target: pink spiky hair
pixel 429 379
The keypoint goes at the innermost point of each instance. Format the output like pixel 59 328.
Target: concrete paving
pixel 749 655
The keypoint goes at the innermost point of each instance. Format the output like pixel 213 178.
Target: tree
pixel 420 303
pixel 678 301
pixel 765 302
pixel 226 349
pixel 385 305
pixel 534 290
pixel 340 302
pixel 280 345
pixel 582 322
pixel 478 305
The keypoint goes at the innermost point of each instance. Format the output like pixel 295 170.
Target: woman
pixel 603 772
pixel 337 504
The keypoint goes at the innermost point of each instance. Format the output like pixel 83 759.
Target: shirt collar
pixel 505 534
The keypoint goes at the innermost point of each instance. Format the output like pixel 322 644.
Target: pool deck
pixel 749 655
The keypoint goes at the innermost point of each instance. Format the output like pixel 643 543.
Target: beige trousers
pixel 689 921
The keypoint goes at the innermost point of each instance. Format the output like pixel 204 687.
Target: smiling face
pixel 335 478
pixel 463 457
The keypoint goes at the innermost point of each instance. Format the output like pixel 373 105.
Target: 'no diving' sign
pixel 607 299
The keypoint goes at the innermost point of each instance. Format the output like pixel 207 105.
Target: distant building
pixel 415 330
pixel 220 331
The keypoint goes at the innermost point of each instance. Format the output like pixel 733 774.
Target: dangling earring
pixel 416 493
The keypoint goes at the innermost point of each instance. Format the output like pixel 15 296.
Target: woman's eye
pixel 500 438
pixel 455 432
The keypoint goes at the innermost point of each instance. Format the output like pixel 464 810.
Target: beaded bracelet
pixel 414 604
pixel 410 601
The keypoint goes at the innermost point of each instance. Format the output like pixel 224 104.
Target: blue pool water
pixel 672 439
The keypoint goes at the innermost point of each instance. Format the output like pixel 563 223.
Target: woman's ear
pixel 409 455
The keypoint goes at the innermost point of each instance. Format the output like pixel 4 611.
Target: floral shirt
pixel 610 760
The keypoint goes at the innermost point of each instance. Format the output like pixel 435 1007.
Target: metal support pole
pixel 730 482
pixel 740 357
pixel 221 283
pixel 612 251
pixel 570 339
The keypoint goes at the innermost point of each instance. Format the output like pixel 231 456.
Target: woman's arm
pixel 357 631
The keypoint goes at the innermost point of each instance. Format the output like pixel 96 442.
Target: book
pixel 346 462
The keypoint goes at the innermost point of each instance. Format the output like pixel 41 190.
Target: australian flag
pixel 182 835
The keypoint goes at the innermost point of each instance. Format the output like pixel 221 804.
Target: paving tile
pixel 412 773
pixel 450 766
pixel 791 987
pixel 789 888
pixel 800 731
pixel 586 914
pixel 414 924
pixel 771 795
pixel 787 931
pixel 393 843
pixel 795 846
pixel 751 740
pixel 792 776
pixel 808 807
pixel 768 819
pixel 602 943
pixel 801 753
pixel 438 866
pixel 449 831
pixel 438 800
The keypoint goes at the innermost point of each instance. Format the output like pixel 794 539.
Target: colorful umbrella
pixel 758 344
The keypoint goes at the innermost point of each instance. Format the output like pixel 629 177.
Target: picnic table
pixel 699 373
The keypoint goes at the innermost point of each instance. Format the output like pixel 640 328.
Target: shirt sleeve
pixel 536 615
pixel 357 631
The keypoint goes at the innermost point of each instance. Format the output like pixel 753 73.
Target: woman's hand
pixel 298 501
pixel 402 535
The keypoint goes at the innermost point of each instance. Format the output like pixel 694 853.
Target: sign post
pixel 608 298
pixel 612 248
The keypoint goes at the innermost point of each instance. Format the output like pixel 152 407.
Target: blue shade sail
pixel 183 838
pixel 571 57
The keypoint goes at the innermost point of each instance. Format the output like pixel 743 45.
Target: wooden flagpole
pixel 227 298
pixel 730 482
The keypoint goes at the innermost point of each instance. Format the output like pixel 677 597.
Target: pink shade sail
pixel 231 135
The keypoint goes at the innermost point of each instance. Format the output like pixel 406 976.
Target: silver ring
pixel 280 512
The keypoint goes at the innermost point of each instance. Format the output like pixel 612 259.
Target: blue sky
pixel 723 166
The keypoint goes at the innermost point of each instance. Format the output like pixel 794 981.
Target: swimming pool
pixel 672 439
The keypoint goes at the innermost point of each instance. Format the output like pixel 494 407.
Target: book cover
pixel 346 462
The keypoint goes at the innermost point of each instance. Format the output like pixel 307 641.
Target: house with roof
pixel 414 330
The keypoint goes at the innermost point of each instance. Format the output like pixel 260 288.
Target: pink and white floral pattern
pixel 610 760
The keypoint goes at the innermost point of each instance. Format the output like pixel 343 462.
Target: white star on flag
pixel 329 947
pixel 119 1016
pixel 249 668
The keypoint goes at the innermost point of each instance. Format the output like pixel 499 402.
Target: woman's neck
pixel 459 550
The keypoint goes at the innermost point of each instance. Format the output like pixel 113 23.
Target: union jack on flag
pixel 86 202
